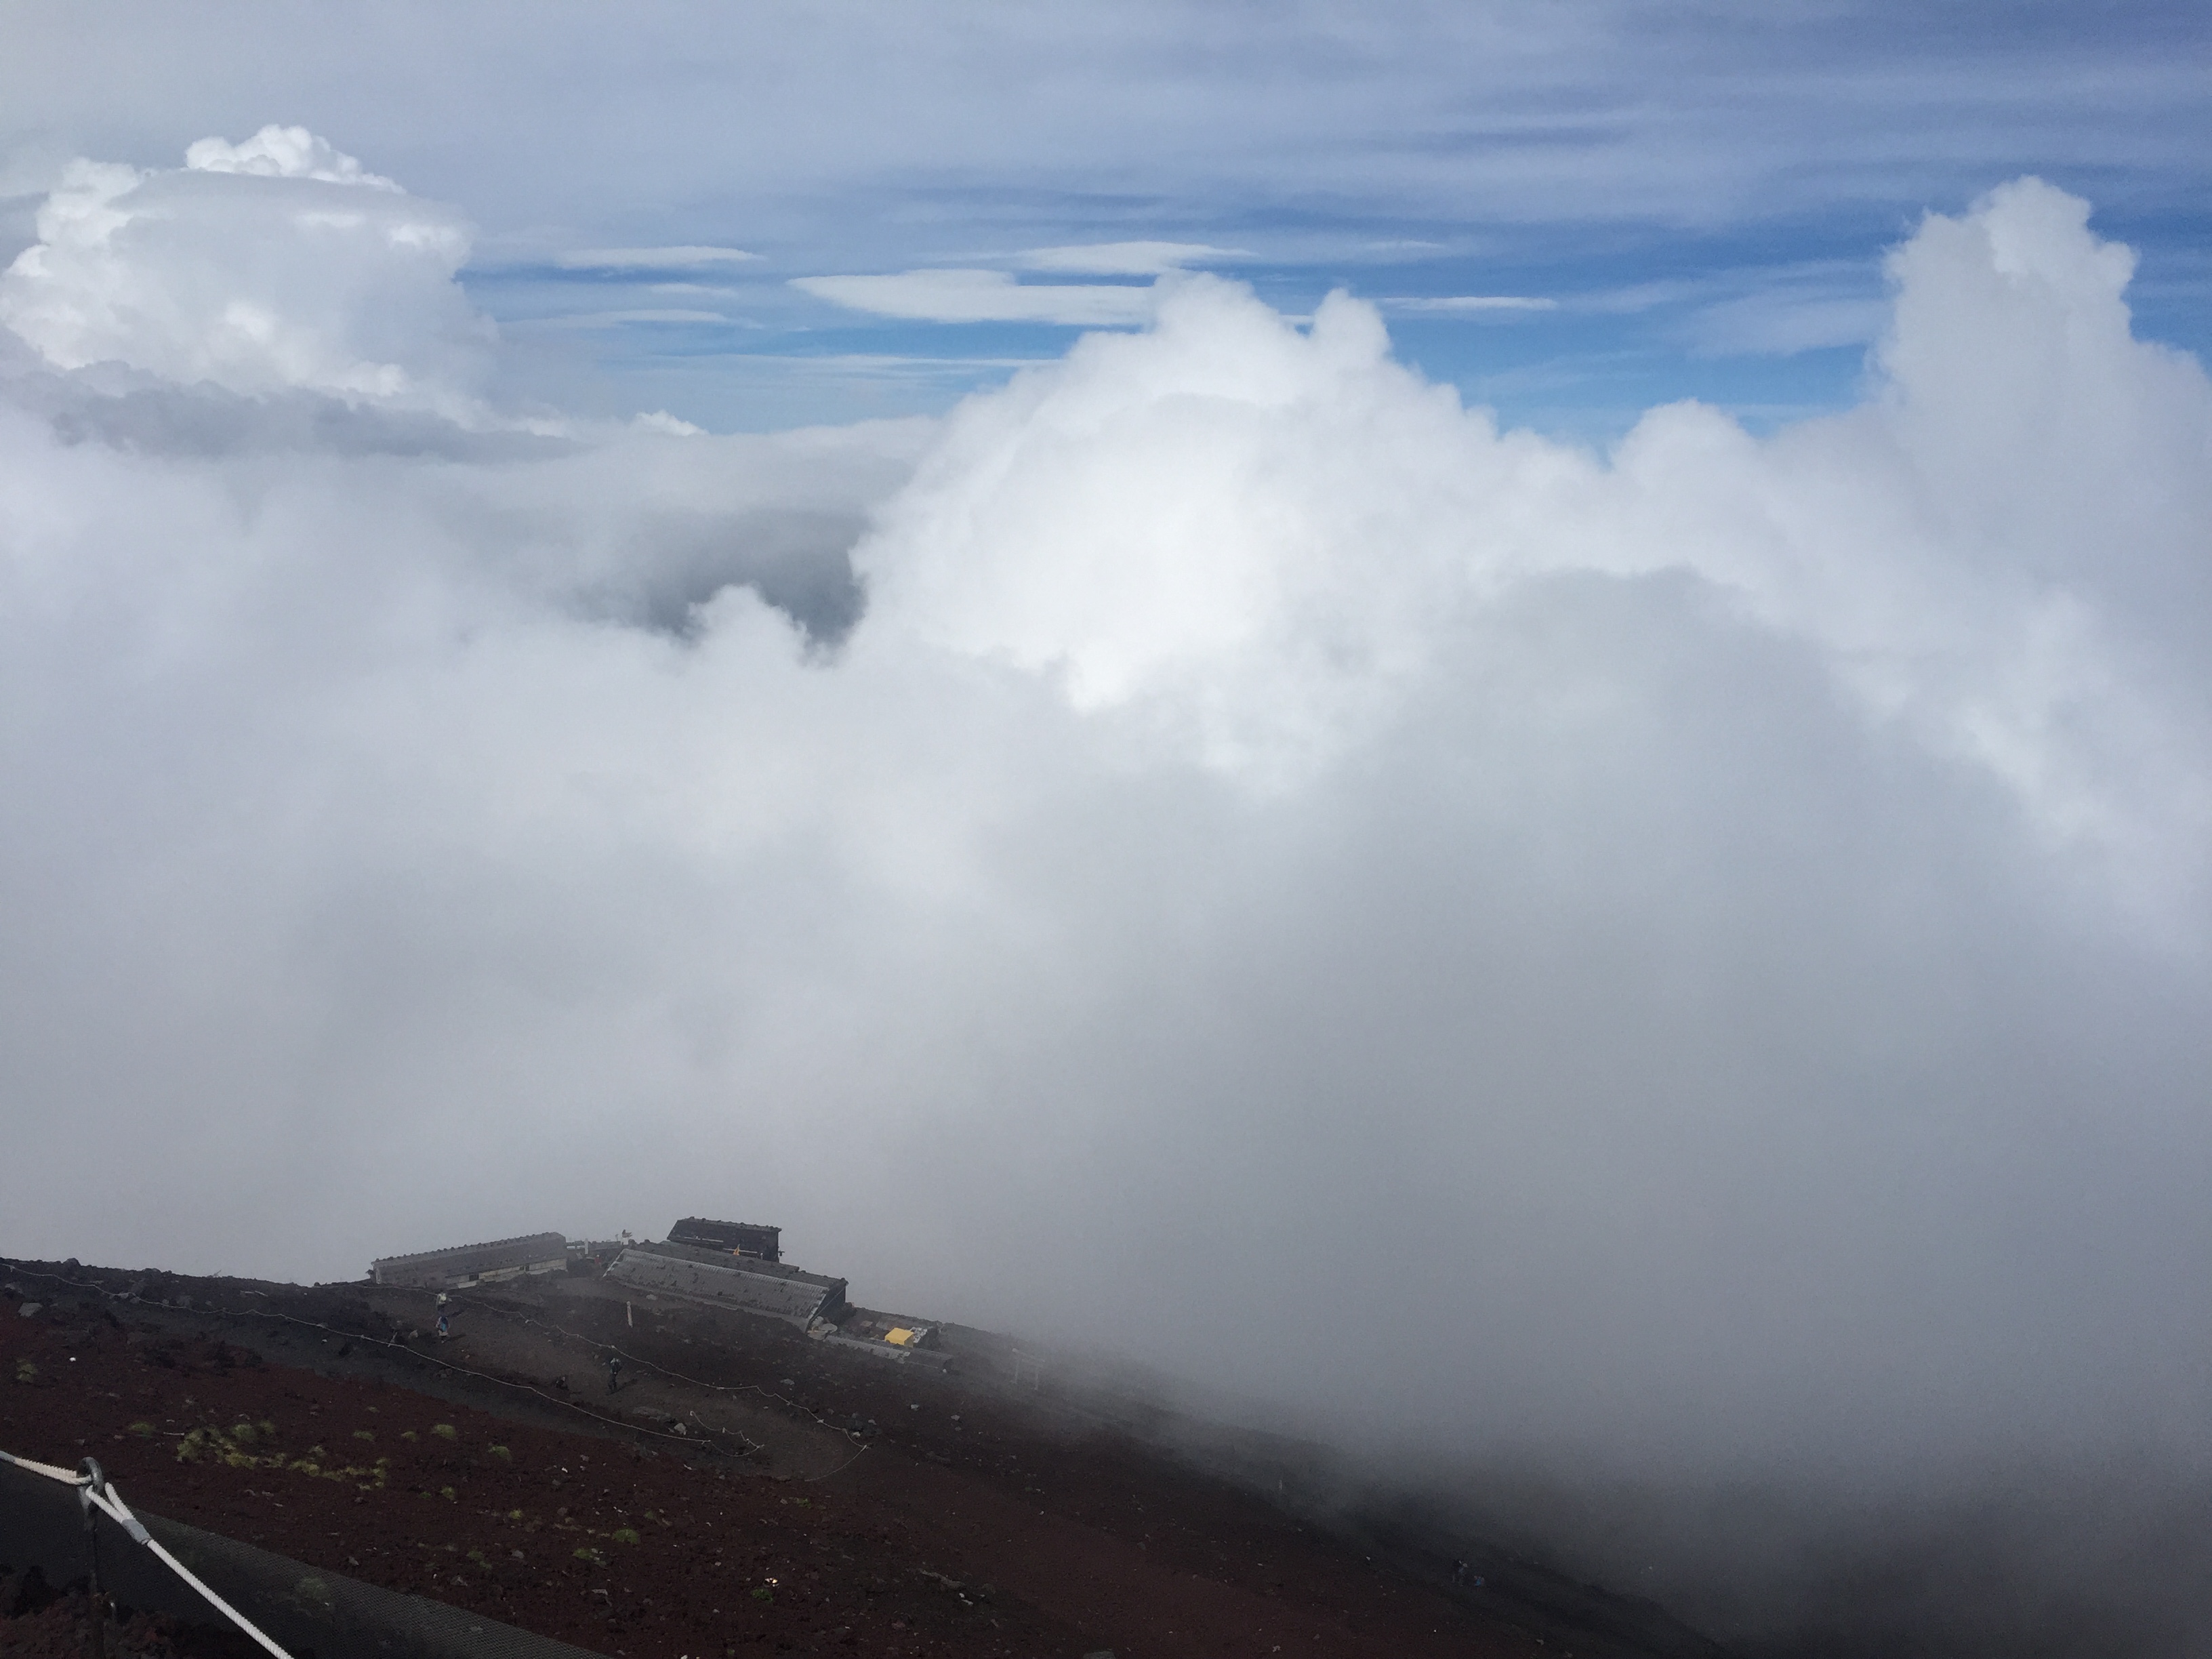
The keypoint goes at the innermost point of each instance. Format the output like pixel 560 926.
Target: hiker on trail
pixel 614 1372
pixel 442 1332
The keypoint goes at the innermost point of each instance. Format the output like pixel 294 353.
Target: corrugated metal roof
pixel 729 1282
pixel 460 1261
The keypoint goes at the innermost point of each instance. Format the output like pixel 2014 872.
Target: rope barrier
pixel 94 1490
pixel 589 1342
pixel 46 1470
pixel 639 1359
pixel 398 1347
pixel 696 1382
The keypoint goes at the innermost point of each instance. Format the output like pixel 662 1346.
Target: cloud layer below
pixel 1682 966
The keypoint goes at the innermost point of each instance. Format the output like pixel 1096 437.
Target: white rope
pixel 67 1477
pixel 109 1502
pixel 112 1504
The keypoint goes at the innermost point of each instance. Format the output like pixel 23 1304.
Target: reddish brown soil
pixel 964 1526
pixel 45 1624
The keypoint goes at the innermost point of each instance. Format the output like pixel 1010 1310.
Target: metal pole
pixel 96 1481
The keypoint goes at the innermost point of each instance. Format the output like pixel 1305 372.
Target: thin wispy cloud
pixel 1782 325
pixel 1469 304
pixel 894 366
pixel 1129 258
pixel 640 314
pixel 984 296
pixel 652 258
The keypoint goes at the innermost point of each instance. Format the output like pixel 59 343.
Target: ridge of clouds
pixel 1124 610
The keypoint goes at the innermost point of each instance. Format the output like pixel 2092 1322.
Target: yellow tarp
pixel 899 1336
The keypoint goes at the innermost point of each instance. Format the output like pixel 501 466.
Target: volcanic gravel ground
pixel 37 1622
pixel 964 1523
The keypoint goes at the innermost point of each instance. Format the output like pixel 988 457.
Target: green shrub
pixel 501 1453
pixel 444 1432
pixel 627 1535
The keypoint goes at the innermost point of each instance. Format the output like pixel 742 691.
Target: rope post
pixel 93 1492
pixel 94 1480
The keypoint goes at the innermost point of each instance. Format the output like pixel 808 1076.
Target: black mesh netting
pixel 310 1613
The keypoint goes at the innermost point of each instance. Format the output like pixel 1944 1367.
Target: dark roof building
pixel 734 1237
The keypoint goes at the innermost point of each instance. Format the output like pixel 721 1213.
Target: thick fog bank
pixel 1679 972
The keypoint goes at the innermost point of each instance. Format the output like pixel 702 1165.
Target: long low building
pixel 717 1278
pixel 473 1264
pixel 733 1237
pixel 887 1336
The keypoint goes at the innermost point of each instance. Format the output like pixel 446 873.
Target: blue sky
pixel 1699 196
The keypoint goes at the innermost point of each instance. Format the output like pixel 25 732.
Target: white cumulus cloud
pixel 277 152
pixel 275 265
pixel 1259 529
